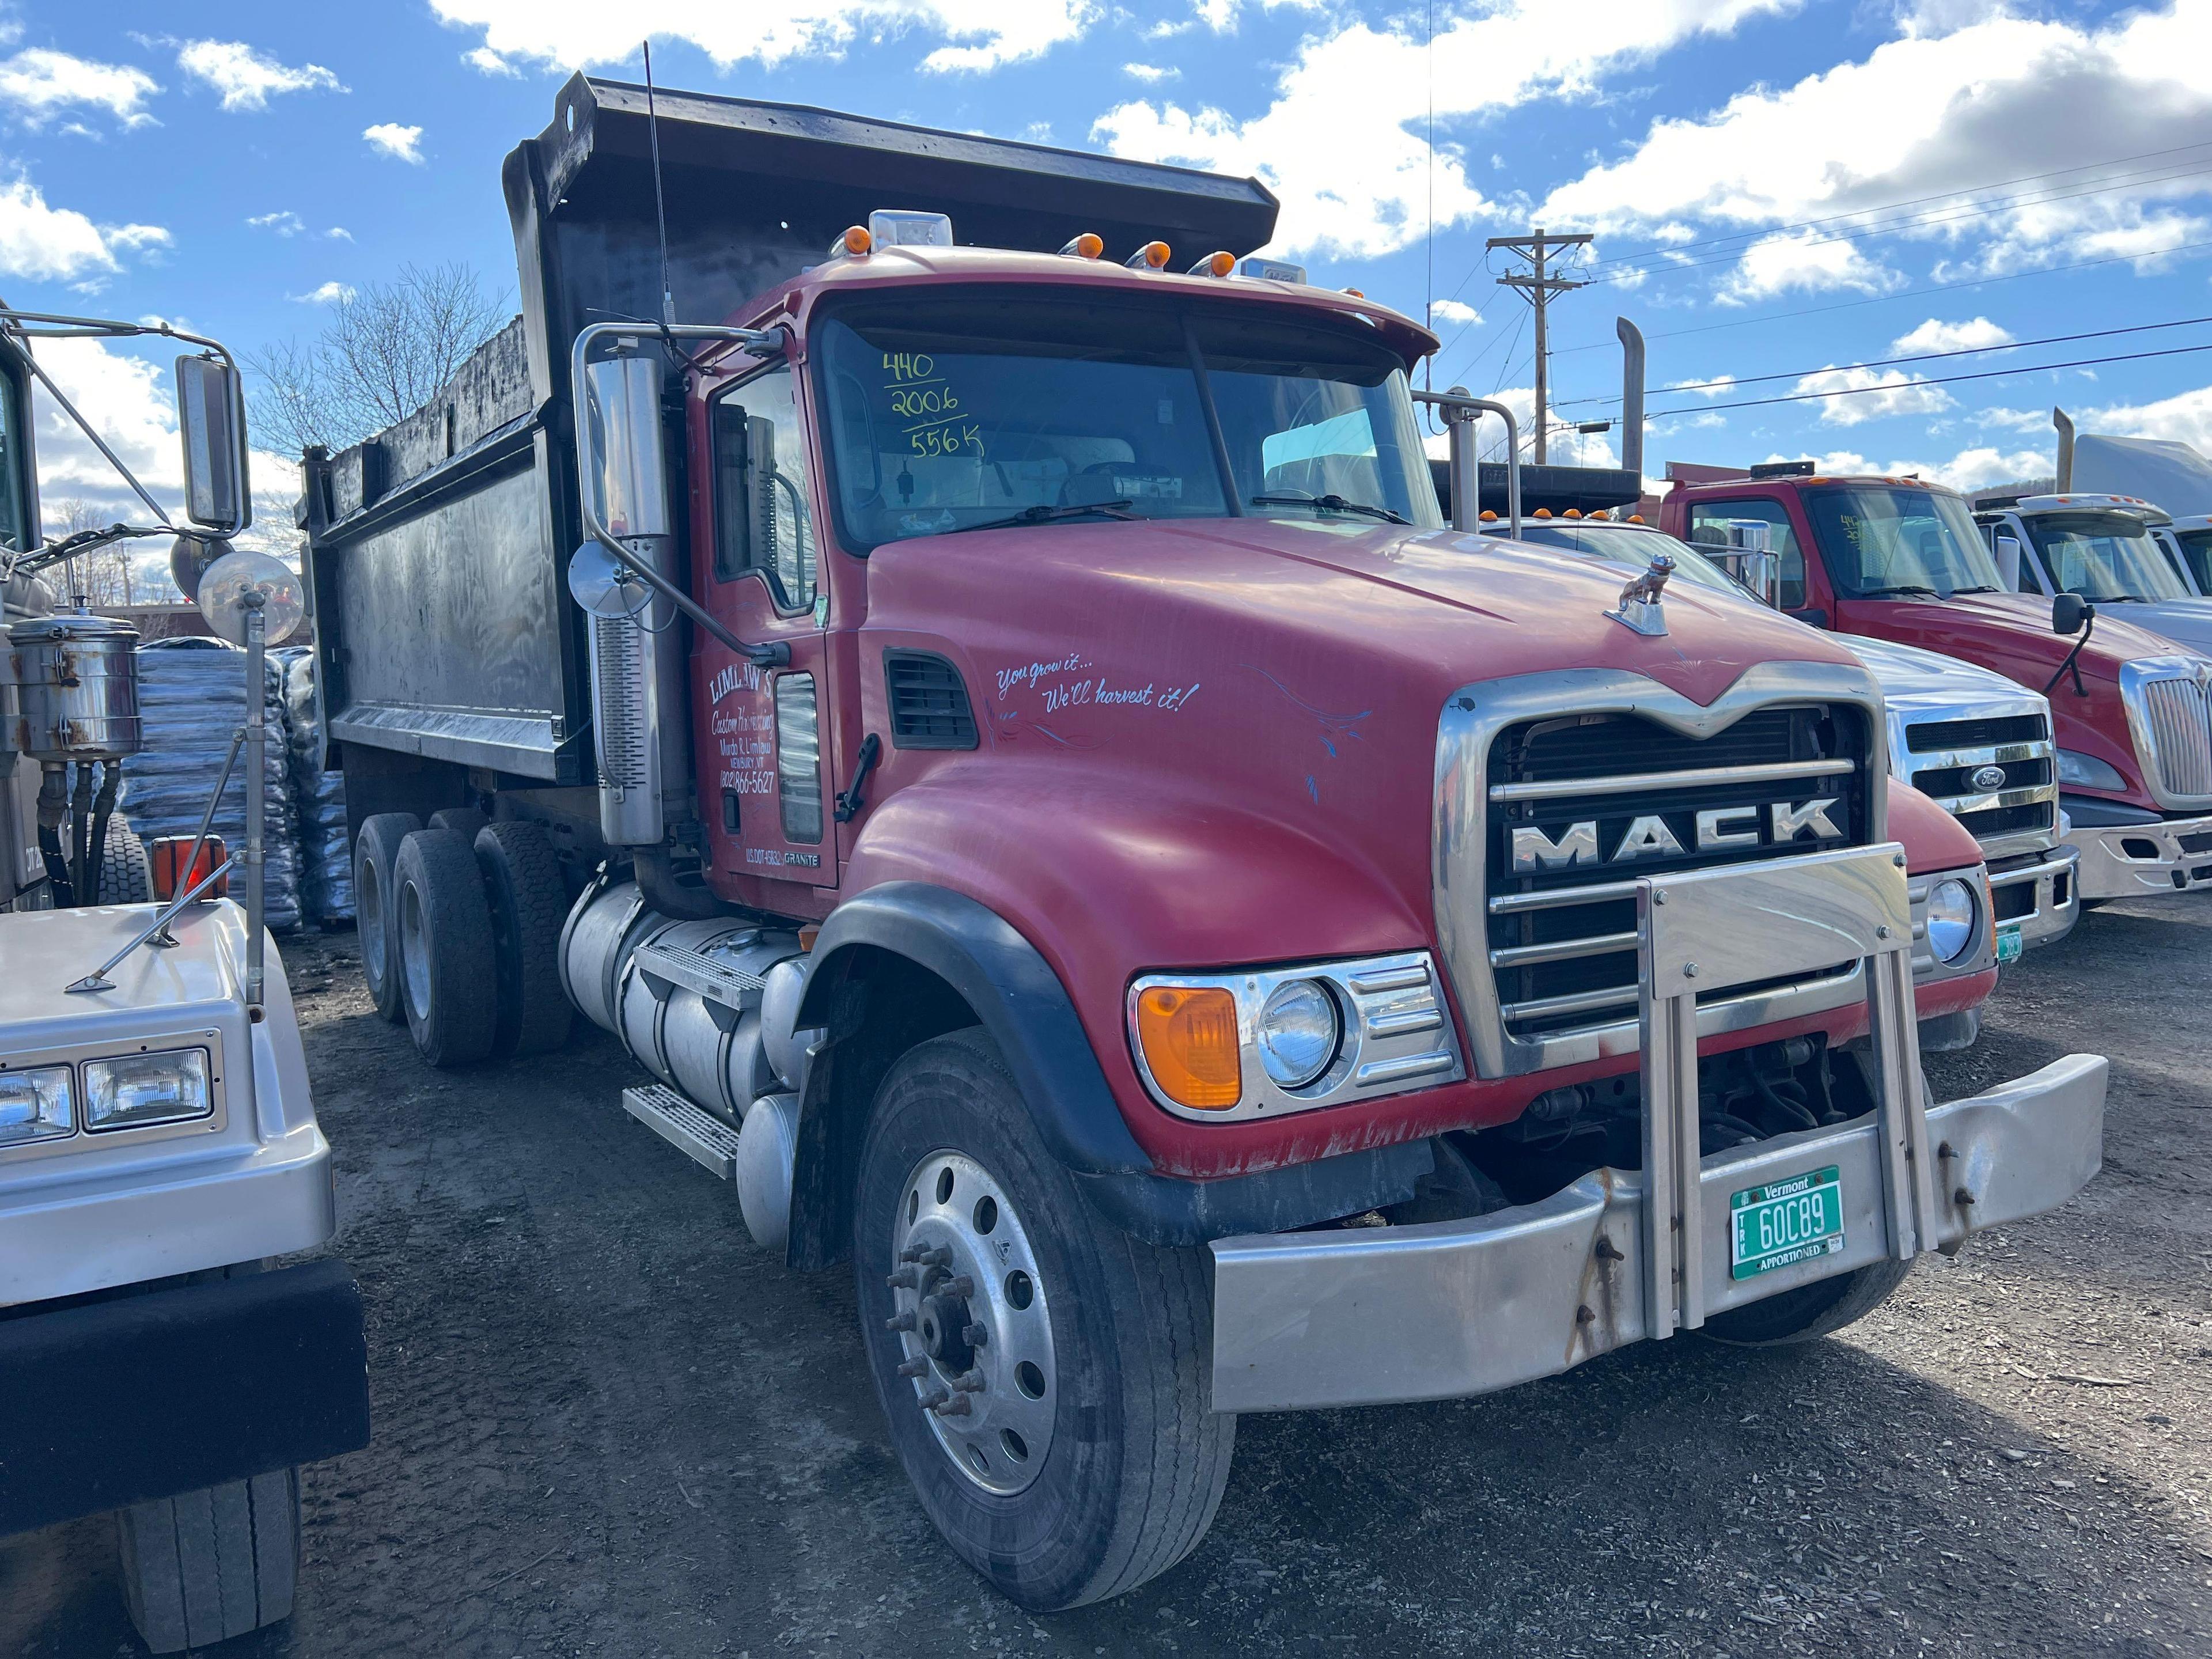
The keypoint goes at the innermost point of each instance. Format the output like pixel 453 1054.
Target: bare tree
pixel 383 355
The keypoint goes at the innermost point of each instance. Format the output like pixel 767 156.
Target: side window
pixel 763 521
pixel 1709 523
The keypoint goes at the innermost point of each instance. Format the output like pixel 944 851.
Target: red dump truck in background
pixel 1900 559
pixel 989 714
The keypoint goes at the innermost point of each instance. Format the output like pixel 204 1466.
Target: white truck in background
pixel 158 1142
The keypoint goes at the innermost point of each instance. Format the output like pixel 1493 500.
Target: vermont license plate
pixel 2009 944
pixel 1786 1221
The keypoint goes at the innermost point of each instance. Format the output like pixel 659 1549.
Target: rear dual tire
pixel 375 851
pixel 1124 1474
pixel 448 967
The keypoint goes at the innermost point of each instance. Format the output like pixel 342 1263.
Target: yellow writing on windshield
pixel 929 406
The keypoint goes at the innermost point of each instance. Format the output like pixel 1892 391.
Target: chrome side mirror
pixel 624 462
pixel 2007 553
pixel 211 416
pixel 1759 573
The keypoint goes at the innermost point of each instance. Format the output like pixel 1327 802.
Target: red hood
pixel 2009 632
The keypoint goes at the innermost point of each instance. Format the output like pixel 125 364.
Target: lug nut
pixel 906 1278
pixel 899 1321
pixel 959 1288
pixel 911 1253
pixel 934 1397
pixel 973 1336
pixel 914 1368
pixel 958 1405
pixel 970 1381
pixel 941 1256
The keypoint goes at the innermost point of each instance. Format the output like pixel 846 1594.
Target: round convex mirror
pixel 190 559
pixel 606 586
pixel 227 581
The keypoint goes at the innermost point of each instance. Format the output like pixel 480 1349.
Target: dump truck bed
pixel 438 549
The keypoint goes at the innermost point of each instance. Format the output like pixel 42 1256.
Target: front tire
pixel 1086 1459
pixel 212 1563
pixel 1817 1310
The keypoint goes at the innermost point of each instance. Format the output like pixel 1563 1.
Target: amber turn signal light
pixel 1154 256
pixel 1214 264
pixel 1189 1035
pixel 1085 247
pixel 1490 515
pixel 855 240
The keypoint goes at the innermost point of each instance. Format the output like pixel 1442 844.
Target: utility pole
pixel 1539 287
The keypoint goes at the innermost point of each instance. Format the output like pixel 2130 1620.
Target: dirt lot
pixel 606 1423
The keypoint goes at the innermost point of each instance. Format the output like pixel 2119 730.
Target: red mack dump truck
pixel 990 715
pixel 1899 559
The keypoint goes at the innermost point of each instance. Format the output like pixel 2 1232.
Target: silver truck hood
pixel 1925 684
pixel 2187 622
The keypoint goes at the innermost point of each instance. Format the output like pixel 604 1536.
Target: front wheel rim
pixel 971 1317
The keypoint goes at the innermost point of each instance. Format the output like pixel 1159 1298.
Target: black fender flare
pixel 1014 993
pixel 1024 1009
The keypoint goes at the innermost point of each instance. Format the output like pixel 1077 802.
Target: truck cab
pixel 1978 743
pixel 1899 559
pixel 982 702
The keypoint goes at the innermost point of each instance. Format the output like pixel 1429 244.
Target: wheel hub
pixel 969 1312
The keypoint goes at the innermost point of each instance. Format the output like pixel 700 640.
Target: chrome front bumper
pixel 2053 890
pixel 2136 860
pixel 1367 1316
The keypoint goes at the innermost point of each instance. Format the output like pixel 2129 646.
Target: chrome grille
pixel 2174 710
pixel 1562 939
pixel 2018 813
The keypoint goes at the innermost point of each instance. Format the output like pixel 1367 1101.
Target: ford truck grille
pixel 2174 711
pixel 1581 805
pixel 1998 775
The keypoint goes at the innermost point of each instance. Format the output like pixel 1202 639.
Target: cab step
pixel 708 1141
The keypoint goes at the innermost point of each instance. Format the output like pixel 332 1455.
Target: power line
pixel 1944 380
pixel 1918 357
pixel 1902 294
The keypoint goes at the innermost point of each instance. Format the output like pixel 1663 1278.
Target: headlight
pixel 1950 920
pixel 1298 1032
pixel 131 1090
pixel 37 1105
pixel 2088 772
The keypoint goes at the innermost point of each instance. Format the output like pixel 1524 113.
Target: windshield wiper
pixel 1331 503
pixel 1046 514
pixel 2125 598
pixel 1902 587
pixel 1983 588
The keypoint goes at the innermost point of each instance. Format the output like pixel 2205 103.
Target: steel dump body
pixel 438 547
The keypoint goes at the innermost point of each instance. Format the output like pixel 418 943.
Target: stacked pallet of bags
pixel 326 859
pixel 191 697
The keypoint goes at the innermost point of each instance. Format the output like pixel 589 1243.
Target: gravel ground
pixel 606 1423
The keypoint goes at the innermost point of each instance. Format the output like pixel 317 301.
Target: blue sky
pixel 225 164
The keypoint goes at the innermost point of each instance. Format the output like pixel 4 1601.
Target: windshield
pixel 2197 553
pixel 1885 540
pixel 960 411
pixel 2103 555
pixel 1631 548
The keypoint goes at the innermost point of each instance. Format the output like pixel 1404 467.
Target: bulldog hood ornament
pixel 1640 610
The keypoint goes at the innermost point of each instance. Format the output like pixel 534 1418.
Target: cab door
pixel 764 763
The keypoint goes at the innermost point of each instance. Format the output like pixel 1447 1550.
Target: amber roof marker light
pixel 1084 247
pixel 1214 264
pixel 1154 256
pixel 853 240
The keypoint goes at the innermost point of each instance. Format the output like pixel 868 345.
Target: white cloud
pixel 2016 420
pixel 1454 311
pixel 2185 417
pixel 1873 395
pixel 401 143
pixel 1806 263
pixel 41 243
pixel 489 61
pixel 130 402
pixel 330 294
pixel 1150 72
pixel 284 223
pixel 338 233
pixel 248 79
pixel 1936 335
pixel 1708 388
pixel 40 83
pixel 1341 143
pixel 979 34
pixel 1969 469
pixel 1970 93
pixel 1216 15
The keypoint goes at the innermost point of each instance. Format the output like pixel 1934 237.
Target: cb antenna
pixel 659 200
